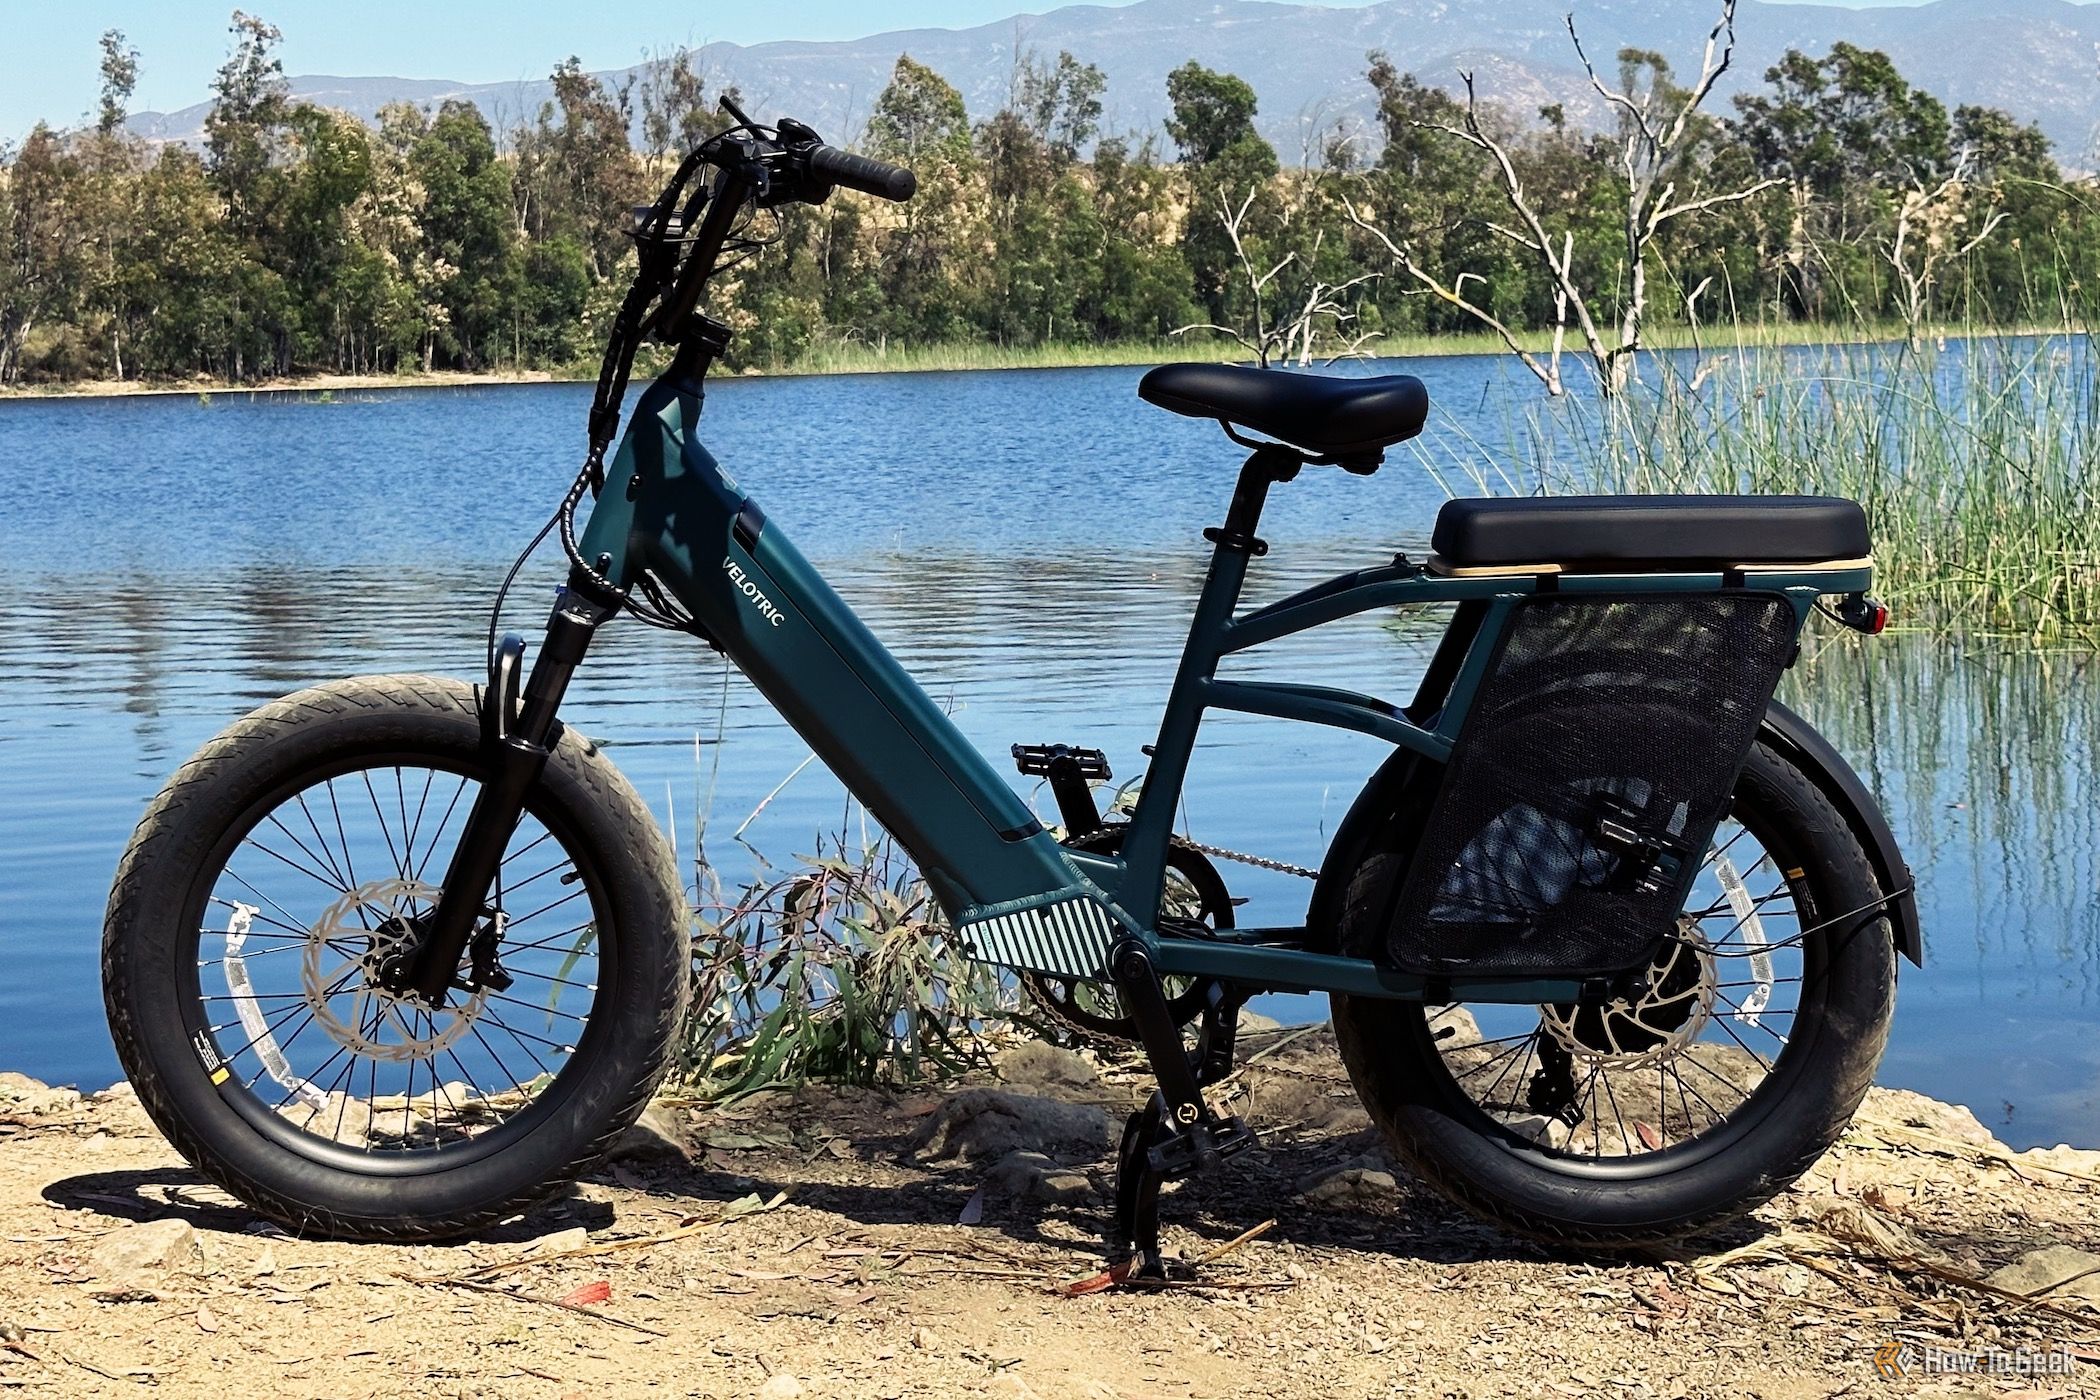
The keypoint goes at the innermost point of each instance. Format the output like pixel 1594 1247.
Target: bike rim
pixel 301 1043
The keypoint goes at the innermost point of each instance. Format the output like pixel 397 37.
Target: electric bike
pixel 1610 938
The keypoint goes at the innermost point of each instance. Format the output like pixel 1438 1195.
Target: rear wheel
pixel 1758 1032
pixel 269 883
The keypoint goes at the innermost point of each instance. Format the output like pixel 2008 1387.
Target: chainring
pixel 1089 1010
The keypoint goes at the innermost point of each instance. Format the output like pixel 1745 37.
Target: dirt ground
pixel 798 1246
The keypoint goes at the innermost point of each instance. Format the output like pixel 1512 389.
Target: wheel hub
pixel 347 991
pixel 1663 1012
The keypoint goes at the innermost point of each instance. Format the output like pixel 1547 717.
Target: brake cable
pixel 653 273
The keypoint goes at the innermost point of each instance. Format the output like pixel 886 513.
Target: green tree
pixel 120 78
pixel 42 256
pixel 919 118
pixel 1061 104
pixel 922 264
pixel 577 178
pixel 676 115
pixel 468 233
pixel 1843 133
pixel 1229 167
pixel 249 104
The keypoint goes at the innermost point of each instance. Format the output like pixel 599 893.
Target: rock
pixel 343 1117
pixel 657 1136
pixel 1046 1069
pixel 2057 1270
pixel 1539 1127
pixel 1354 1186
pixel 1930 1116
pixel 560 1242
pixel 1030 1176
pixel 980 1125
pixel 780 1386
pixel 1454 1027
pixel 1720 1060
pixel 1254 1023
pixel 33 1098
pixel 2062 1158
pixel 143 1261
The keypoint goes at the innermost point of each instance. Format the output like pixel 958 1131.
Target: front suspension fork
pixel 517 734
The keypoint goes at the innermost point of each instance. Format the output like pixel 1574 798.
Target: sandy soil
pixel 794 1246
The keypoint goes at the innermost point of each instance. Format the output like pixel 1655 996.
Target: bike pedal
pixel 1044 760
pixel 1204 1145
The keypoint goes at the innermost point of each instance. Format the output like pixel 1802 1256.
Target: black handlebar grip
pixel 876 177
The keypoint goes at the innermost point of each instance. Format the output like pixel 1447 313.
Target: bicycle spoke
pixel 317 879
pixel 355 1064
pixel 577 893
pixel 393 857
pixel 293 926
pixel 437 833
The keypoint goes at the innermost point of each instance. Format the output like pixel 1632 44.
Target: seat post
pixel 1267 464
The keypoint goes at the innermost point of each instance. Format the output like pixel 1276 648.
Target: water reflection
pixel 1984 757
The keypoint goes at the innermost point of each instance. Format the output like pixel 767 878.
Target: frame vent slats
pixel 1067 937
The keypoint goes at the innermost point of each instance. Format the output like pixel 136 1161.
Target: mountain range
pixel 2038 59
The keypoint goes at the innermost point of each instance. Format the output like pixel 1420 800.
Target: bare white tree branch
pixel 1657 134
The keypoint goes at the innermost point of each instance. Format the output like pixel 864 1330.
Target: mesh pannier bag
pixel 1590 773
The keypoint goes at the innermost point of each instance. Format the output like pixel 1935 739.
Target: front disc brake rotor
pixel 374 920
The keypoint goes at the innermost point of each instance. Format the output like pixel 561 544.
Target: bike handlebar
pixel 869 176
pixel 789 163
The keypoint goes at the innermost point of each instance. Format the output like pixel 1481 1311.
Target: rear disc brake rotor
pixel 1658 1022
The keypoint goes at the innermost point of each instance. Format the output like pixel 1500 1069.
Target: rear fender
pixel 1399 795
pixel 1812 754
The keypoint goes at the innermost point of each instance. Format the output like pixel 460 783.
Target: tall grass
pixel 1977 459
pixel 840 970
pixel 868 357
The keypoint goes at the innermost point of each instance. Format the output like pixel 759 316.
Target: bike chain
pixel 1262 862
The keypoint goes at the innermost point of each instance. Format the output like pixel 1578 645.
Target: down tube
pixel 807 652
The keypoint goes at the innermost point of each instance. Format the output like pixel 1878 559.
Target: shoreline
pixel 947 1240
pixel 982 357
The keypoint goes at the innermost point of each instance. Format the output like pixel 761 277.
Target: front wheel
pixel 264 891
pixel 1759 1030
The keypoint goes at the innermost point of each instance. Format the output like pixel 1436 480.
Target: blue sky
pixel 48 53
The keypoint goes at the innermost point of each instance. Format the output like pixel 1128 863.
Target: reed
pixel 840 970
pixel 866 357
pixel 1976 457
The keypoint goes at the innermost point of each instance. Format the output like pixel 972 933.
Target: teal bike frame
pixel 1019 897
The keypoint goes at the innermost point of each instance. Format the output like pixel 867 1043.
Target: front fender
pixel 1405 785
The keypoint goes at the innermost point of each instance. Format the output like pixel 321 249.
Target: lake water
pixel 1027 542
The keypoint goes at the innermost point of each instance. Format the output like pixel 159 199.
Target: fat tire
pixel 156 883
pixel 1431 1125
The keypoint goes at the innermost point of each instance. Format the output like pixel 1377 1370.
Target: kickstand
pixel 1133 1241
pixel 1175 1133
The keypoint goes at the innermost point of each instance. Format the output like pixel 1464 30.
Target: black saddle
pixel 1577 532
pixel 1324 415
